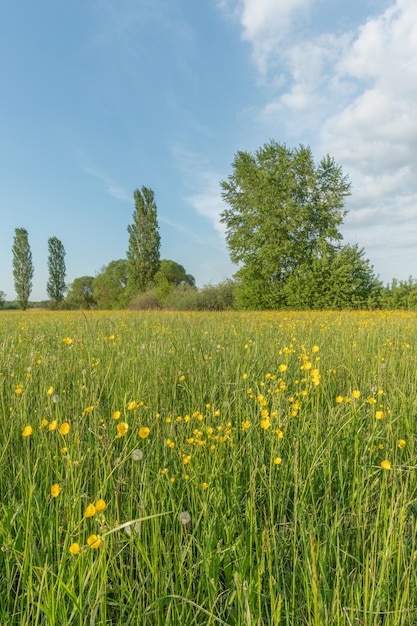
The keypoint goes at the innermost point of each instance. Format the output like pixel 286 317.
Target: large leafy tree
pixel 282 209
pixel 57 271
pixel 22 267
pixel 109 286
pixel 80 293
pixel 143 254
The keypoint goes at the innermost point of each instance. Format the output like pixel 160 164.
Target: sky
pixel 100 97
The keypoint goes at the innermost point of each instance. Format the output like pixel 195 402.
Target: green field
pixel 240 468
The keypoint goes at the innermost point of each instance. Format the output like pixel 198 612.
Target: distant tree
pixel 2 299
pixel 143 254
pixel 22 267
pixel 282 209
pixel 109 286
pixel 56 265
pixel 80 293
pixel 337 278
pixel 171 275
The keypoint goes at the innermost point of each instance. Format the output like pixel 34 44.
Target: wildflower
pixel 244 376
pixel 19 389
pixel 100 505
pixel 64 428
pixel 122 428
pixel 204 486
pixel 181 378
pixel 279 433
pixel 184 517
pixel 132 405
pixel 116 415
pixel 371 401
pixel 186 459
pixel 89 409
pixel 315 349
pixel 94 541
pixel 401 443
pixel 53 425
pixel 282 368
pixel 356 394
pixel 44 422
pixel 386 465
pixel 27 431
pixel 144 432
pixel 379 415
pixel 50 391
pixel 64 450
pixel 170 443
pixel 55 490
pixel 339 399
pixel 74 548
pixel 265 423
pixel 277 460
pixel 137 455
pixel 56 398
pixel 90 511
pixel 164 471
pixel 67 340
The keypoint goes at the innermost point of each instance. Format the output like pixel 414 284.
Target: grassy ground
pixel 163 468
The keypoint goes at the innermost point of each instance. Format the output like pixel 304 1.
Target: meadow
pixel 194 469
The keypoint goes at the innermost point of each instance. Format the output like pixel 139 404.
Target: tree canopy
pixel 283 211
pixel 22 267
pixel 56 265
pixel 143 254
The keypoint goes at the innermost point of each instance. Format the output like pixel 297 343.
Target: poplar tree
pixel 143 254
pixel 22 267
pixel 56 265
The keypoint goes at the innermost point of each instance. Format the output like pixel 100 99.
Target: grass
pixel 238 457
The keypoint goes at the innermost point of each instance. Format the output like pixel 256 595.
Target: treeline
pixel 282 220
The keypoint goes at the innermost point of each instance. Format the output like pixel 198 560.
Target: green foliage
pixel 283 208
pixel 144 242
pixel 170 275
pixel 80 294
pixel 109 287
pixel 400 294
pixel 56 265
pixel 2 299
pixel 22 267
pixel 338 278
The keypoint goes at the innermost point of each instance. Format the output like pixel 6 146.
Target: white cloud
pixel 110 186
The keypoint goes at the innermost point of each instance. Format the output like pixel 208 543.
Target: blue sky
pixel 99 97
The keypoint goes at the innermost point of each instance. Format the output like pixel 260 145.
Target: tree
pixel 56 265
pixel 80 293
pixel 22 267
pixel 282 209
pixel 109 286
pixel 144 242
pixel 2 299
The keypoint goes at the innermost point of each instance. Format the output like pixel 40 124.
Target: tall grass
pixel 257 496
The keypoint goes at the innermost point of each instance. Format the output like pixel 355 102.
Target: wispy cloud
pixel 110 186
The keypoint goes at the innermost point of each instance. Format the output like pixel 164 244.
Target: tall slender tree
pixel 22 267
pixel 56 265
pixel 143 256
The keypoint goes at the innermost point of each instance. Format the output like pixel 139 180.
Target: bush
pixel 146 301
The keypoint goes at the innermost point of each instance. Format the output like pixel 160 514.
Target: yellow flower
pixel 371 401
pixel 53 425
pixel 94 541
pixel 74 548
pixel 401 443
pixel 186 459
pixel 27 431
pixel 67 340
pixel 122 428
pixel 64 428
pixel 182 378
pixel 100 505
pixel 204 486
pixel 170 443
pixel 164 471
pixel 116 415
pixel 283 367
pixel 379 415
pixel 55 490
pixel 339 399
pixel 90 511
pixel 277 460
pixel 144 432
pixel 132 405
pixel 19 389
pixel 265 424
pixel 356 394
pixel 386 465
pixel 279 433
pixel 245 425
pixel 50 391
pixel 89 409
pixel 315 349
pixel 244 376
